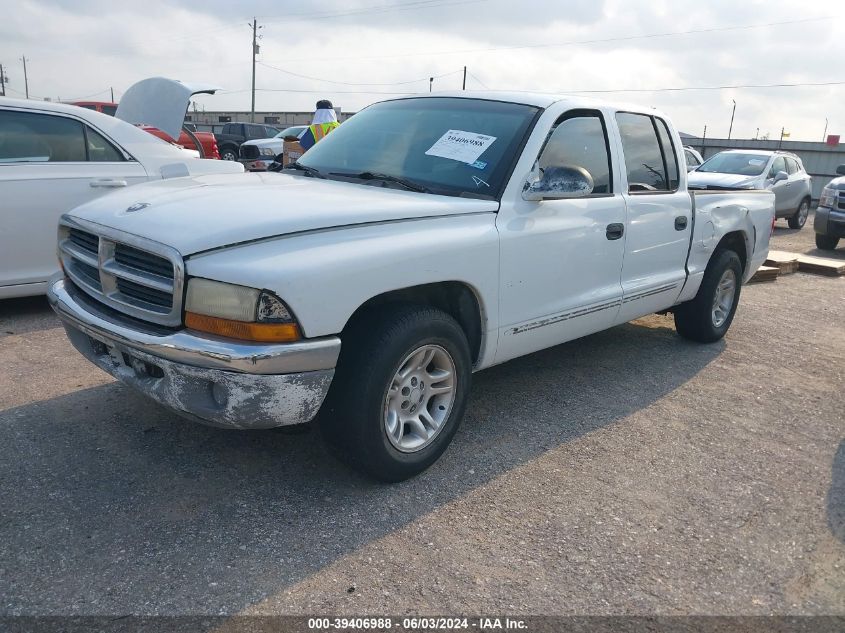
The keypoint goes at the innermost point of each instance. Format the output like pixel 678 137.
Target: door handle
pixel 680 223
pixel 108 182
pixel 615 231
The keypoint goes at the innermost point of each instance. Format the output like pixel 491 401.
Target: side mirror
pixel 780 177
pixel 841 170
pixel 559 183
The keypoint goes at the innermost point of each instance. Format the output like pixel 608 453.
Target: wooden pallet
pixel 765 273
pixel 787 263
pixel 821 265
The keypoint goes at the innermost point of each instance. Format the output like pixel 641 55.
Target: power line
pixel 607 40
pixel 382 8
pixel 347 83
pixel 483 85
pixel 687 88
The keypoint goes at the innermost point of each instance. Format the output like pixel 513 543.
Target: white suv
pixel 782 172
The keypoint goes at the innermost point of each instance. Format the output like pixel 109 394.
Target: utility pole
pixel 731 128
pixel 255 28
pixel 757 134
pixel 780 142
pixel 465 78
pixel 25 80
pixel 3 80
pixel 824 136
pixel 430 83
pixel 703 139
pixel 112 94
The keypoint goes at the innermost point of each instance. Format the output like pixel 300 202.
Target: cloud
pixel 82 47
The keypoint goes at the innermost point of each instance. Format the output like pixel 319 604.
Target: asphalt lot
pixel 630 472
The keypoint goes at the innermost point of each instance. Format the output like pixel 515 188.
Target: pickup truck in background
pixel 829 223
pixel 229 139
pixel 258 155
pixel 424 239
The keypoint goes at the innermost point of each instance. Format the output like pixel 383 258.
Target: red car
pixel 206 139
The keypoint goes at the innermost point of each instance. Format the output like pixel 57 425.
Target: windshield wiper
pixel 369 175
pixel 316 173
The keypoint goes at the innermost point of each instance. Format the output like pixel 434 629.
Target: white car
pixel 259 154
pixel 692 157
pixel 424 239
pixel 54 157
pixel 781 172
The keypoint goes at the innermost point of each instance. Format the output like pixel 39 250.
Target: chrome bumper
pixel 211 380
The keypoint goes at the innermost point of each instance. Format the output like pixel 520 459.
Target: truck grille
pixel 141 278
pixel 841 204
pixel 249 151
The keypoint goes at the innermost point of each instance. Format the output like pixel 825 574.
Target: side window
pixel 791 166
pixel 778 165
pixel 580 140
pixel 669 155
pixel 692 161
pixel 254 131
pixel 270 132
pixel 643 158
pixel 99 149
pixel 30 137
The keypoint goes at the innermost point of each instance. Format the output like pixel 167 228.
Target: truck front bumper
pixel 829 222
pixel 216 381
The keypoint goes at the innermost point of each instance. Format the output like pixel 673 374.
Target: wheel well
pixel 453 297
pixel 735 241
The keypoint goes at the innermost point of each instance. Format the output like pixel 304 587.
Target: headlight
pixel 266 151
pixel 828 198
pixel 238 312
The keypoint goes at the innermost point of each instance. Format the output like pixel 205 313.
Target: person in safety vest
pixel 325 120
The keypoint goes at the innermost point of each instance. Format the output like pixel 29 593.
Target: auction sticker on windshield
pixel 465 147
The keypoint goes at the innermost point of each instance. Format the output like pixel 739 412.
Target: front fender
pixel 325 276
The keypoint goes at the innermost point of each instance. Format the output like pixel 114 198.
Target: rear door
pixel 659 214
pixel 49 164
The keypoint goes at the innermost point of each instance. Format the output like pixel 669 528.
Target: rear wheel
pixel 399 392
pixel 229 153
pixel 826 242
pixel 798 220
pixel 707 317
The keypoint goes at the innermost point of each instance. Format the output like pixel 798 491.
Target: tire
pixel 826 242
pixel 696 319
pixel 798 220
pixel 383 435
pixel 229 153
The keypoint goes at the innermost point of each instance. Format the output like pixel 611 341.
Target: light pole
pixel 730 129
pixel 824 136
pixel 430 83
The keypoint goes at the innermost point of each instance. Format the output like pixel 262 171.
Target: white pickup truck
pixel 424 239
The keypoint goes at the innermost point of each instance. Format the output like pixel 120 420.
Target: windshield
pixel 450 146
pixel 735 163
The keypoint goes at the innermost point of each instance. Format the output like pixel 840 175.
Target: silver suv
pixel 782 172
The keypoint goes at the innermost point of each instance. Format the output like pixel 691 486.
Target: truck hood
pixel 837 183
pixel 265 142
pixel 209 212
pixel 727 181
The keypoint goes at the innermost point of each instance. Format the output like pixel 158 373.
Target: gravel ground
pixel 629 472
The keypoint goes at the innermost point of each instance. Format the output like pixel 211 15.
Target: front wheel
pixel 798 220
pixel 229 153
pixel 399 392
pixel 707 317
pixel 826 242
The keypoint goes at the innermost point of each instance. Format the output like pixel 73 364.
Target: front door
pixel 561 260
pixel 659 221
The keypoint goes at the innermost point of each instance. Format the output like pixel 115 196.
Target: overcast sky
pixel 361 48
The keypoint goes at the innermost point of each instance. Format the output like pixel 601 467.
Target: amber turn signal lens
pixel 258 332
